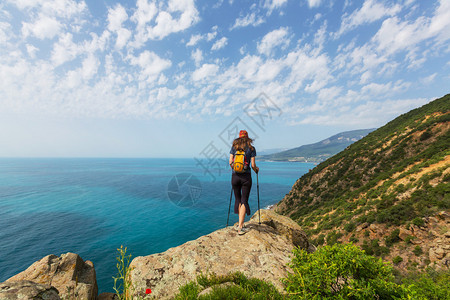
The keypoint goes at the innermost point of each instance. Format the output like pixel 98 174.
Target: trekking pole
pixel 229 207
pixel 257 188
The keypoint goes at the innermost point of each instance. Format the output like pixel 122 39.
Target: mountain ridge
pixel 320 151
pixel 388 192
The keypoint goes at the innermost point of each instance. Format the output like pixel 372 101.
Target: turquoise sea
pixel 93 206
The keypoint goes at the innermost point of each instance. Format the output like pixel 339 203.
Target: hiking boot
pixel 237 227
pixel 242 230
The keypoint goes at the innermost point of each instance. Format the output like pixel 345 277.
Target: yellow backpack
pixel 240 165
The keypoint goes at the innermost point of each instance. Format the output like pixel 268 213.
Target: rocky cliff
pixel 263 253
pixel 67 275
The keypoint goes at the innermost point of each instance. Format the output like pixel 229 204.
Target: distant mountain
pixel 320 151
pixel 270 151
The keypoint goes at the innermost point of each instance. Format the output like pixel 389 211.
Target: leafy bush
pixel 393 237
pixel 333 237
pixel 349 227
pixel 241 287
pixel 396 260
pixel 418 221
pixel 340 272
pixel 374 248
pixel 429 285
pixel 418 250
pixel 426 135
pixel 320 240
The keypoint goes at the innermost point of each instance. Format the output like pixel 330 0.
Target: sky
pixel 178 78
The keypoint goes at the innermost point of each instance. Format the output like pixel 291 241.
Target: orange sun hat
pixel 243 133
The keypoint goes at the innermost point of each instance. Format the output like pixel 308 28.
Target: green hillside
pixel 389 192
pixel 320 151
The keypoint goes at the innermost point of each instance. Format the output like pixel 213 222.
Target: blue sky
pixel 152 78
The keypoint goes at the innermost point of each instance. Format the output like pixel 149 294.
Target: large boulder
pixel 15 290
pixel 69 274
pixel 263 252
pixel 284 226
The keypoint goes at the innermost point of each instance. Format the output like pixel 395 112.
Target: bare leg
pixel 241 215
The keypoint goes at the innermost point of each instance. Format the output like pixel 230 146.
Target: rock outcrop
pixel 24 289
pixel 263 252
pixel 68 274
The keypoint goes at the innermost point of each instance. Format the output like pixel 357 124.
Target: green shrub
pixel 320 240
pixel 349 227
pixel 426 135
pixel 340 272
pixel 396 260
pixel 418 250
pixel 393 237
pixel 241 288
pixel 418 221
pixel 333 237
pixel 354 239
pixel 409 238
pixel 374 248
pixel 429 285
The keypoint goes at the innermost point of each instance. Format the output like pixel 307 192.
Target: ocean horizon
pixel 92 206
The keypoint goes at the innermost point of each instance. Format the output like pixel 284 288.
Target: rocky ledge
pixel 53 277
pixel 263 252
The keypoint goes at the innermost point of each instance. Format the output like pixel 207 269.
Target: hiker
pixel 242 154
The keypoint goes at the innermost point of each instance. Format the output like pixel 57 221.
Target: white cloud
pixel 396 35
pixel 198 37
pixel 144 13
pixel 44 28
pixel 116 17
pixel 158 19
pixel 151 65
pixel 330 93
pixel 429 79
pixel 89 67
pixel 165 94
pixel 389 88
pixel 307 67
pixel 56 8
pixel 206 70
pixel 167 24
pixel 271 5
pixel 123 35
pixel 31 50
pixel 314 3
pixel 194 39
pixel 364 115
pixel 64 50
pixel 272 40
pixel 268 71
pixel 370 11
pixel 5 28
pixel 219 44
pixel 197 55
pixel 440 23
pixel 248 20
pixel 212 35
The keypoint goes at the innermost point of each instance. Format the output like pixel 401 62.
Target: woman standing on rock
pixel 242 154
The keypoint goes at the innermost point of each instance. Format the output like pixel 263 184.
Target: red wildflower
pixel 148 291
